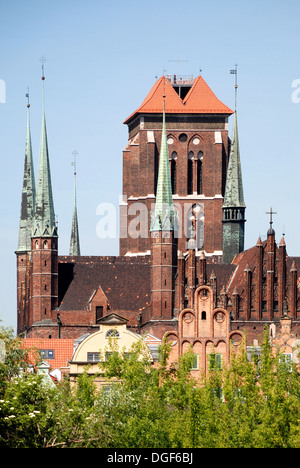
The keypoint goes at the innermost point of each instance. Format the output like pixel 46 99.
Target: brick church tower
pixel 198 147
pixel 37 254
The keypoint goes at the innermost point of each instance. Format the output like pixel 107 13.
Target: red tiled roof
pixel 199 100
pixel 63 350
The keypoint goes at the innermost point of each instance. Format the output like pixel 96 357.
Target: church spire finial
pixel 271 213
pixel 74 242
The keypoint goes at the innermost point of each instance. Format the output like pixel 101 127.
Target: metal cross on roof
pixel 271 213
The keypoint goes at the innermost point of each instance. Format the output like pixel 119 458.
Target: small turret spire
pixel 28 192
pixel 163 216
pixel 74 242
pixel 44 223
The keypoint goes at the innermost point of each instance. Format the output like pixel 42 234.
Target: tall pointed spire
pixel 234 203
pixel 74 242
pixel 234 193
pixel 28 193
pixel 163 216
pixel 44 223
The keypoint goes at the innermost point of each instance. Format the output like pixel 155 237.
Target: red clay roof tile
pixel 199 100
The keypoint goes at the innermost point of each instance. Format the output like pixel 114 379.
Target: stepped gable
pixel 248 258
pixel 124 280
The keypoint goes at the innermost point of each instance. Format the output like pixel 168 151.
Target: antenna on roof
pixel 234 72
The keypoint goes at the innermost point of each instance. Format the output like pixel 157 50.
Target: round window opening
pixel 182 137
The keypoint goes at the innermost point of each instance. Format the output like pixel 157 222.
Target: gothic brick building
pixel 182 221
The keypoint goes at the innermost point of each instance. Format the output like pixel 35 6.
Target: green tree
pixel 14 357
pixel 251 404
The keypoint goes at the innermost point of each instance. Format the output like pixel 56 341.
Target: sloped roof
pixel 199 100
pixel 63 350
pixel 247 257
pixel 223 273
pixel 124 280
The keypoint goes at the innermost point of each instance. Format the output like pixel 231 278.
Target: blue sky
pixel 102 60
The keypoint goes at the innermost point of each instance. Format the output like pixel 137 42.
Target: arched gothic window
pixel 199 173
pixel 174 172
pixel 190 173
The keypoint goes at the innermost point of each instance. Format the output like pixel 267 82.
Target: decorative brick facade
pixel 205 329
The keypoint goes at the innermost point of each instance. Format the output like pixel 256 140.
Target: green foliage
pixel 15 358
pixel 246 404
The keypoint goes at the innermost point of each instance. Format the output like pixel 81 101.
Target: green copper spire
pixel 234 204
pixel 44 222
pixel 28 194
pixel 163 217
pixel 74 242
pixel 234 194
